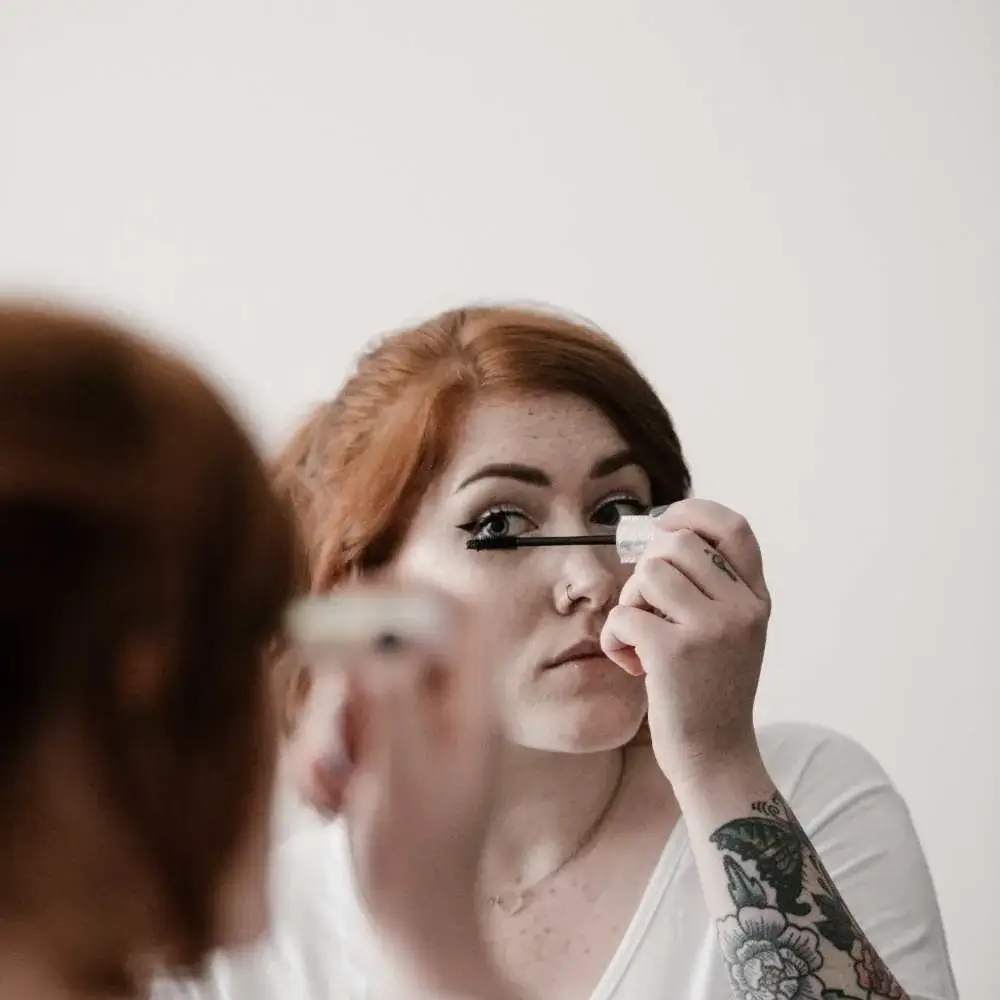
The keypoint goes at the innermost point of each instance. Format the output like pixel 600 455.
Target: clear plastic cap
pixel 632 534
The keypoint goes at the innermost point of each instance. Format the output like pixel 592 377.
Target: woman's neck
pixel 547 807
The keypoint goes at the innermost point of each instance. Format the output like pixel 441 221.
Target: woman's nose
pixel 589 577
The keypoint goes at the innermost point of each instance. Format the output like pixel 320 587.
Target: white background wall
pixel 787 211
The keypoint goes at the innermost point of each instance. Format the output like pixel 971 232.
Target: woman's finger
pixel 403 689
pixel 375 750
pixel 700 562
pixel 627 632
pixel 726 531
pixel 660 586
pixel 472 674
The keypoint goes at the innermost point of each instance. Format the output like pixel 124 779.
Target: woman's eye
pixel 612 511
pixel 499 524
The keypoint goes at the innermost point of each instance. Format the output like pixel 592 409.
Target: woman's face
pixel 547 465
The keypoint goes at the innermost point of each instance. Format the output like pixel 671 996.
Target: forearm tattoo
pixel 791 936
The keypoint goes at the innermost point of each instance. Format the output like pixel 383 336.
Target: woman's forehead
pixel 549 431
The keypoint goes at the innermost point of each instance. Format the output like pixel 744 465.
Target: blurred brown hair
pixel 133 508
pixel 358 467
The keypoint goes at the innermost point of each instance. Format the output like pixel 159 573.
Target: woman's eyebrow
pixel 507 470
pixel 619 460
pixel 537 477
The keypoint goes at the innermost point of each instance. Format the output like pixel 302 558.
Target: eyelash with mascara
pixel 475 527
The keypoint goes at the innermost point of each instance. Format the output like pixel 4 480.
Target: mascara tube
pixel 632 534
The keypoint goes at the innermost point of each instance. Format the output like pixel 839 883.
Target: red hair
pixel 132 506
pixel 358 467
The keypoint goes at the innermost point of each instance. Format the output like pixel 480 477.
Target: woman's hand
pixel 403 741
pixel 693 618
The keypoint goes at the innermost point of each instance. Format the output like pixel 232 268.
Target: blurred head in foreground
pixel 145 563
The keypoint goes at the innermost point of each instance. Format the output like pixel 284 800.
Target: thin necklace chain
pixel 511 901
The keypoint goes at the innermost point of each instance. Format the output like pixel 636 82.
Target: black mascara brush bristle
pixel 489 544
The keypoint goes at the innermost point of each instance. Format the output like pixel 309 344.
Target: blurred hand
pixel 403 742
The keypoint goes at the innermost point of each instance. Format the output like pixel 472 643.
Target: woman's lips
pixel 580 652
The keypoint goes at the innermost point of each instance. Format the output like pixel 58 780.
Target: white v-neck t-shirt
pixel 322 946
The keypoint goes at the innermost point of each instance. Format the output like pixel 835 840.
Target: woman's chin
pixel 578 725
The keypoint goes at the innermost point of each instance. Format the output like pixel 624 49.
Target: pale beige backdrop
pixel 788 211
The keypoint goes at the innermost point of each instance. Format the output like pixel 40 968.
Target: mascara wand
pixel 632 535
pixel 536 541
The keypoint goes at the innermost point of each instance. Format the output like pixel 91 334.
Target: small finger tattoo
pixel 720 563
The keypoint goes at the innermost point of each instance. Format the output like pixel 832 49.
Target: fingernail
pixel 657 511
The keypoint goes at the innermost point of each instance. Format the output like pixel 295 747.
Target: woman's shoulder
pixel 861 827
pixel 811 762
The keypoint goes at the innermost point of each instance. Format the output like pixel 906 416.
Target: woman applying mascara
pixel 649 841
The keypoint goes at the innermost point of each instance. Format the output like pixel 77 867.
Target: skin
pixel 546 599
pixel 413 754
pixel 565 728
pixel 683 637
